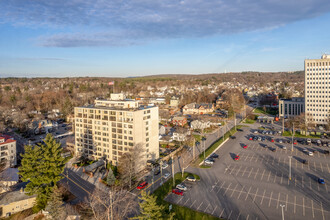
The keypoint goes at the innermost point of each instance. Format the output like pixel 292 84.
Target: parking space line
pixel 318 186
pixel 256 193
pixel 239 214
pixel 273 160
pixel 270 199
pixel 296 163
pixel 244 171
pixel 248 193
pixel 294 205
pixel 275 176
pixel 247 217
pixel 214 209
pixel 278 199
pixel 192 204
pixel 180 199
pixel 256 174
pixel 221 186
pixel 207 207
pixel 303 206
pixel 269 175
pixel 230 214
pixel 200 205
pixel 250 172
pixel 286 202
pixel 326 188
pixel 234 190
pixel 232 170
pixel 312 208
pixel 262 176
pixel 221 213
pixel 310 183
pixel 308 167
pixel 251 158
pixel 240 193
pixel 321 167
pixel 256 159
pixel 186 202
pixel 238 170
pixel 295 182
pixel 322 211
pixel 227 168
pixel 328 168
pixel 263 197
pixel 246 158
pixel 227 189
pixel 314 166
pixel 281 178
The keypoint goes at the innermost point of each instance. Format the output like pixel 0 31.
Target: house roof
pixel 15 195
pixel 6 139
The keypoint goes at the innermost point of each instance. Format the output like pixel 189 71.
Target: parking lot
pixel 258 184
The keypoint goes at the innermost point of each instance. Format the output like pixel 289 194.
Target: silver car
pixel 181 187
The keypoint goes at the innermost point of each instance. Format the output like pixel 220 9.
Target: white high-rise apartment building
pixel 7 150
pixel 317 90
pixel 110 128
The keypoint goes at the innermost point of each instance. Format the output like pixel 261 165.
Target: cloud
pixel 120 23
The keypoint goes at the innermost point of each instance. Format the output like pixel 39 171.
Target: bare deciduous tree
pixel 113 205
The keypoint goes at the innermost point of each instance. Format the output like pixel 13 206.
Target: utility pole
pixel 292 137
pixel 290 167
pixel 282 206
pixel 161 170
pixel 173 170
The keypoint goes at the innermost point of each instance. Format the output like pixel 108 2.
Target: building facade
pixel 317 91
pixel 291 107
pixel 199 109
pixel 110 128
pixel 8 150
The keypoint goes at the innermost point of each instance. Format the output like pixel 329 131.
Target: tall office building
pixel 109 128
pixel 317 91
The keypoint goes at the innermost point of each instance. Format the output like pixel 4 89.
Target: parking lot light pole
pixel 292 138
pixel 282 206
pixel 173 170
pixel 290 167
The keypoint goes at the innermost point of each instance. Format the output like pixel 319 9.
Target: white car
pixel 310 153
pixel 284 148
pixel 166 175
pixel 209 162
pixel 164 166
pixel 181 187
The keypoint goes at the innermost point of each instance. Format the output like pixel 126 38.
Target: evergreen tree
pixel 42 166
pixel 55 205
pixel 111 178
pixel 149 208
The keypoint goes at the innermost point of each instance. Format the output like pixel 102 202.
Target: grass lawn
pixel 268 111
pixel 181 211
pixel 298 135
pixel 204 166
pixel 249 121
pixel 209 150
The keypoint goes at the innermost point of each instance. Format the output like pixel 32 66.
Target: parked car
pixel 256 132
pixel 259 138
pixel 245 146
pixel 236 157
pixel 305 161
pixel 305 150
pixel 250 138
pixel 166 175
pixel 232 137
pixel 280 141
pixel 309 141
pixel 284 147
pixel 272 140
pixel 181 187
pixel 273 149
pixel 208 162
pixel 310 153
pixel 214 155
pixel 191 178
pixel 321 180
pixel 142 185
pixel 177 191
pixel 326 152
pixel 239 129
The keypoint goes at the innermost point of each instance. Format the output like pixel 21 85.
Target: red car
pixel 245 146
pixel 250 138
pixel 142 185
pixel 177 191
pixel 272 140
pixel 294 142
pixel 236 157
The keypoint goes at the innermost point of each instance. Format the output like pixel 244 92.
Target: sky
pixel 127 38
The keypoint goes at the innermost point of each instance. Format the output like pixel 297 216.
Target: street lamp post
pixel 282 206
pixel 173 170
pixel 290 167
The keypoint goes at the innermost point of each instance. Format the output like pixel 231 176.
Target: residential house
pixel 194 108
pixel 179 121
pixel 181 134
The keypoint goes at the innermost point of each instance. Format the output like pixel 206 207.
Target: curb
pixel 215 150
